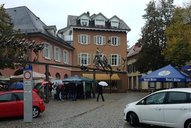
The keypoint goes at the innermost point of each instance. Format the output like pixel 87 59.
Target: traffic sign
pixel 28 87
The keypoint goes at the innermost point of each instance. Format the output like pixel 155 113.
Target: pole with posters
pixel 28 87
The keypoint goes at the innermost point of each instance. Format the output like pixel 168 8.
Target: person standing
pixel 100 92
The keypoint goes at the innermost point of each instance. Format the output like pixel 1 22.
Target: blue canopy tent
pixel 166 74
pixel 187 69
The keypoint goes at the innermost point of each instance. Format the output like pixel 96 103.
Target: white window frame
pixel 57 54
pixel 84 22
pixel 99 40
pixel 115 40
pixel 83 39
pixel 115 24
pixel 66 57
pixel 47 51
pixel 100 22
pixel 84 59
pixel 114 59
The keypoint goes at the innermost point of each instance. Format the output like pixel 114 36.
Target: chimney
pixel 88 13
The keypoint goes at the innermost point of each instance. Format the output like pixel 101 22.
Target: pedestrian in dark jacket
pixel 100 92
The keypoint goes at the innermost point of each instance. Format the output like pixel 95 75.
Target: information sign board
pixel 28 87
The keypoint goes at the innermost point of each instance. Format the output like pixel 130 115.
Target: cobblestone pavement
pixel 81 113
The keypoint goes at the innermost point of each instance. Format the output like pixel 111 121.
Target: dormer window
pixel 99 22
pixel 84 22
pixel 114 24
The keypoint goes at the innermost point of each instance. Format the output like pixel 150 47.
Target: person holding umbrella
pixel 100 89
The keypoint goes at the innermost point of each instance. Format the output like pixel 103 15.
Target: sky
pixel 55 12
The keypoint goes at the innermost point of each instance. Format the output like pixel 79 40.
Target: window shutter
pixel 104 40
pixel 89 59
pixel 60 55
pixel 68 58
pixel 43 51
pixel 50 51
pixel 119 60
pixel 54 53
pixel 119 40
pixel 94 39
pixel 79 38
pixel 88 38
pixel 109 59
pixel 78 59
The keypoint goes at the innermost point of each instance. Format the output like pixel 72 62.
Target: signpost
pixel 28 87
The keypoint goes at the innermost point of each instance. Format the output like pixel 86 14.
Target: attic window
pixel 114 24
pixel 84 22
pixel 99 22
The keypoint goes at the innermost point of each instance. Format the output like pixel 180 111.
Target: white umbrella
pixel 103 83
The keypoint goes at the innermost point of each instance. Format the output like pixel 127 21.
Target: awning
pixel 102 76
pixel 166 74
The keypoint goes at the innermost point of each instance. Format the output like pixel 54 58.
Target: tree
pixel 153 39
pixel 6 31
pixel 13 45
pixel 178 50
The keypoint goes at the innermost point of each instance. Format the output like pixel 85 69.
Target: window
pixel 114 24
pixel 6 97
pixel 57 75
pixel 57 54
pixel 19 96
pixel 156 98
pixel 84 59
pixel 114 40
pixel 83 39
pixel 130 68
pixel 47 51
pixel 84 22
pixel 66 57
pixel 99 40
pixel 114 60
pixel 99 22
pixel 177 97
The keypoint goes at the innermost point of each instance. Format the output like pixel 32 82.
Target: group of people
pixel 73 91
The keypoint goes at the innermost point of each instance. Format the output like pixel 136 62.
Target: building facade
pixel 134 75
pixel 92 34
pixel 55 51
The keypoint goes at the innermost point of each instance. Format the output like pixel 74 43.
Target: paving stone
pixel 82 113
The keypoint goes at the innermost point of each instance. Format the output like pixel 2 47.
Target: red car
pixel 12 105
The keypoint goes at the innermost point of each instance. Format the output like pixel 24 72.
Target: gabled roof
pixel 24 20
pixel 27 22
pixel 114 17
pixel 99 14
pixel 83 15
pixel 134 50
pixel 72 22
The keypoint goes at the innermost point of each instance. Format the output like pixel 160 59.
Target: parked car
pixel 12 105
pixel 169 107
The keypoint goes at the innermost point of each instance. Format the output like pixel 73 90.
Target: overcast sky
pixel 55 12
